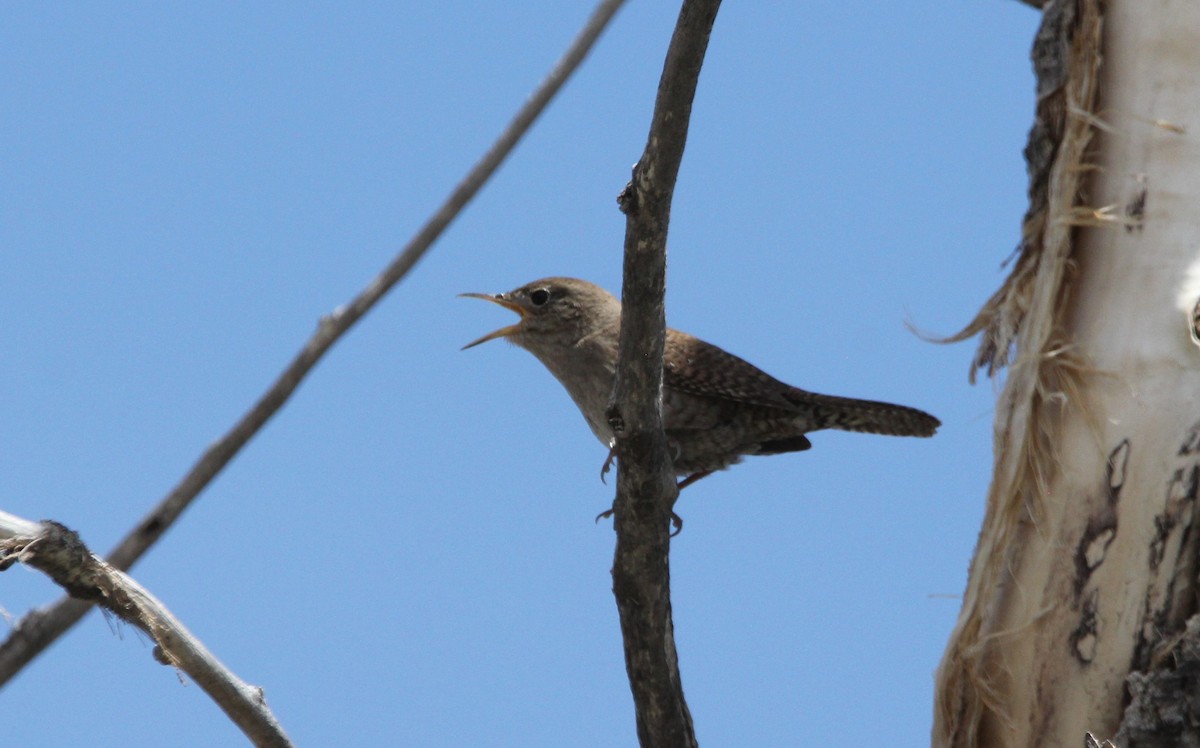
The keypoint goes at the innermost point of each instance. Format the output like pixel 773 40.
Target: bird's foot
pixel 608 461
pixel 676 520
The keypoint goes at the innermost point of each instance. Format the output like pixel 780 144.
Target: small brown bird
pixel 717 408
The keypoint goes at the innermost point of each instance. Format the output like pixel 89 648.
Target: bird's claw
pixel 608 461
pixel 676 521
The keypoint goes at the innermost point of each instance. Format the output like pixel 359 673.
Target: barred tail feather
pixel 869 416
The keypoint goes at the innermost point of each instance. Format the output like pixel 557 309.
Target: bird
pixel 717 408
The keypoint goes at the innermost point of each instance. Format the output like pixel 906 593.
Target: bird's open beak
pixel 503 331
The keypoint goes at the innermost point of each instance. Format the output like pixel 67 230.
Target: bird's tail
pixel 869 416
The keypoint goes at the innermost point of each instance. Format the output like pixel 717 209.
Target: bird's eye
pixel 539 297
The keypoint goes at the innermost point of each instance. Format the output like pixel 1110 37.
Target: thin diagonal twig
pixel 37 630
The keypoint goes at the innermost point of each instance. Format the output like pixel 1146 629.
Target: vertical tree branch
pixel 646 478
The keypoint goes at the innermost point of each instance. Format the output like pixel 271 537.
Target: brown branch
pixel 37 630
pixel 646 478
pixel 59 553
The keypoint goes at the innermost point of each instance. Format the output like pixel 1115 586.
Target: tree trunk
pixel 1085 570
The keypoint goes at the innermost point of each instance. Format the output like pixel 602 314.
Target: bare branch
pixel 13 526
pixel 61 554
pixel 646 488
pixel 38 629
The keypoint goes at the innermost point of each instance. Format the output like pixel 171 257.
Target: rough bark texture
pixel 646 480
pixel 1164 707
pixel 1086 566
pixel 61 554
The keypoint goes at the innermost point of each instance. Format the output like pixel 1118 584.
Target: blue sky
pixel 406 554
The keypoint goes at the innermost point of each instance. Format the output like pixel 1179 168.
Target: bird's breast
pixel 587 376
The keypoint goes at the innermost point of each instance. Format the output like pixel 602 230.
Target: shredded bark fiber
pixel 1020 327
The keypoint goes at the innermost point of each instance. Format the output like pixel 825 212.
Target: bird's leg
pixel 676 520
pixel 692 479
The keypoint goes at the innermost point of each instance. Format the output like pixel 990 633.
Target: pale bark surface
pixel 59 553
pixel 1086 565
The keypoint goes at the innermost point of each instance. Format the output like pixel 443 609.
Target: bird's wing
pixel 690 365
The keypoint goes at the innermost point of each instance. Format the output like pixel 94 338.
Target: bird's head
pixel 555 313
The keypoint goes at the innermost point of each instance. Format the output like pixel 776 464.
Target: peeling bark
pixel 1086 567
